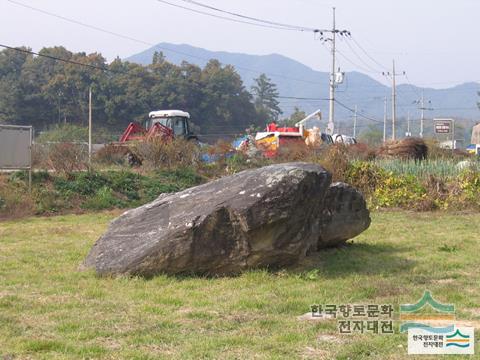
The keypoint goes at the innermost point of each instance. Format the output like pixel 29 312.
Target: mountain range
pixel 296 80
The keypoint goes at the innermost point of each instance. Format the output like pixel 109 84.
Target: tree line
pixel 42 91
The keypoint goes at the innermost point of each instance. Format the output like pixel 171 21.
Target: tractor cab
pixel 176 120
pixel 167 124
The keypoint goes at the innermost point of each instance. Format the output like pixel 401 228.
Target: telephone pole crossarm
pixel 333 79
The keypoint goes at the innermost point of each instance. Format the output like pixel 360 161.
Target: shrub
pixel 466 192
pixel 104 198
pixel 293 151
pixel 236 163
pixel 47 201
pixel 399 191
pixel 71 133
pixel 334 158
pixel 365 176
pixel 15 200
pixel 361 151
pixel 40 156
pixel 64 133
pixel 111 155
pixel 81 183
pixel 67 158
pixel 159 153
pixel 125 183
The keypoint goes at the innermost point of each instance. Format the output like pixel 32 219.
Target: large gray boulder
pixel 344 215
pixel 265 217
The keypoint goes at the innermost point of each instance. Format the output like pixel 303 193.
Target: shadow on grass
pixel 337 262
pixel 358 258
pixel 351 258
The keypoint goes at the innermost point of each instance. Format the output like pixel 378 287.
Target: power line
pixel 269 22
pixel 359 114
pixel 60 59
pixel 414 88
pixel 226 18
pixel 360 58
pixel 126 37
pixel 367 54
pixel 302 98
pixel 130 38
pixel 355 64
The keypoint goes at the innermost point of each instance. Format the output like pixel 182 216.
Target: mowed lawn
pixel 49 310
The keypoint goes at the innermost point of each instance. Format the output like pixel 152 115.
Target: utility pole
pixel 394 102
pixel 408 125
pixel 90 125
pixel 333 78
pixel 422 108
pixel 394 98
pixel 385 120
pixel 422 117
pixel 331 115
pixel 355 123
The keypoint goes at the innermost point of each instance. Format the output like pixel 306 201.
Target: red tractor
pixel 165 124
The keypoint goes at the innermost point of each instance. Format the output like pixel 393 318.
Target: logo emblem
pixel 432 330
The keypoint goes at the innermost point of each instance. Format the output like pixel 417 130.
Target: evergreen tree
pixel 297 116
pixel 266 98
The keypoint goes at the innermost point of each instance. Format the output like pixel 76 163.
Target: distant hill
pixel 295 79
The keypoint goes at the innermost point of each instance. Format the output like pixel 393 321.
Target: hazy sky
pixel 434 41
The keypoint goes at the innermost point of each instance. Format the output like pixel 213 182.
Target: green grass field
pixel 49 310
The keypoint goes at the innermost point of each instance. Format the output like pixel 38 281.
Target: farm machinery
pixel 274 138
pixel 165 125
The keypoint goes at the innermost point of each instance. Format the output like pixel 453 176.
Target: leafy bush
pixel 465 191
pixel 38 177
pixel 122 188
pixel 125 183
pixel 80 183
pixel 365 176
pixel 64 133
pixel 399 191
pixel 47 201
pixel 70 133
pixel 236 163
pixel 104 198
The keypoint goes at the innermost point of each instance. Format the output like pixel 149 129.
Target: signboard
pixel 15 147
pixel 443 126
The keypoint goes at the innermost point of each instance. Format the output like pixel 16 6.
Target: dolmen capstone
pixel 268 217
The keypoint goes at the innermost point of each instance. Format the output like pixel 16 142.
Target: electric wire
pixel 269 22
pixel 360 58
pixel 130 38
pixel 358 113
pixel 367 54
pixel 225 18
pixel 61 59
